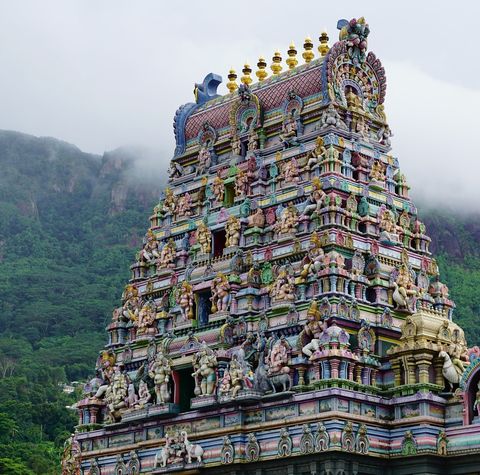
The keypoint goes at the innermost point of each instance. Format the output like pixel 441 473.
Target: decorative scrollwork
pixel 348 439
pixel 322 439
pixel 307 444
pixel 285 443
pixel 228 451
pixel 252 450
pixel 362 443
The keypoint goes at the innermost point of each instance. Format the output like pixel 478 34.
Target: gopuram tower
pixel 284 315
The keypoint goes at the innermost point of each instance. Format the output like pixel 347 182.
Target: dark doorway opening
pixel 219 241
pixel 187 385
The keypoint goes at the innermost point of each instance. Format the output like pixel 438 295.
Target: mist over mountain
pixel 70 225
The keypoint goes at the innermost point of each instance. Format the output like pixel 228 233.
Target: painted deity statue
pixel 288 220
pixel 236 376
pixel 241 184
pixel 184 207
pixel 218 189
pixel 404 288
pixel 277 358
pixel 225 385
pixel 313 329
pixel 204 161
pixel 313 261
pixel 169 203
pixel 116 394
pixel 331 117
pixel 257 219
pixel 232 230
pixel 185 300
pixel 204 238
pixel 131 303
pixel 144 396
pixel 146 318
pixel 160 371
pixel 316 199
pixel 290 172
pixel 236 145
pixel 175 170
pixel 150 249
pixel 220 293
pixel 283 288
pixel 167 255
pixel 205 374
pixel 71 457
pixel 252 144
pixel 317 154
pixel 378 171
pixel 387 222
pixel 289 130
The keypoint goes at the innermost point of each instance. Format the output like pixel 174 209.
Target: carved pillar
pixel 423 362
pixel 359 374
pixel 396 368
pixel 438 365
pixel 334 367
pixel 411 377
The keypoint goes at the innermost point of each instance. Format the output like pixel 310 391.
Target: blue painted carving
pixel 207 90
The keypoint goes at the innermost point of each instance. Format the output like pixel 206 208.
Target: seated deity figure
pixel 150 249
pixel 160 371
pixel 184 207
pixel 205 374
pixel 313 330
pixel 220 293
pixel 388 222
pixel 277 358
pixel 104 375
pixel 185 300
pixel 237 377
pixel 146 318
pixel 236 145
pixel 218 189
pixel 288 220
pixel 316 198
pixel 116 394
pixel 289 130
pixel 377 172
pixel 404 288
pixel 241 184
pixel 167 255
pixel 225 385
pixel 283 288
pixel 257 219
pixel 131 303
pixel 313 261
pixel 204 238
pixel 232 230
pixel 144 396
pixel 331 117
pixel 169 202
pixel 204 161
pixel 290 172
pixel 317 154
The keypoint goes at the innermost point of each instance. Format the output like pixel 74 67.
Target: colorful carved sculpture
pixel 205 365
pixel 220 293
pixel 160 371
pixel 232 230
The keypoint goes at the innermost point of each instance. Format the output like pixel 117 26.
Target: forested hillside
pixel 70 224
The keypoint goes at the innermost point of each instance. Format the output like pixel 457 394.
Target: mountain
pixel 70 225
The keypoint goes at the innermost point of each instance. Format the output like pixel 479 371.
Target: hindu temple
pixel 284 314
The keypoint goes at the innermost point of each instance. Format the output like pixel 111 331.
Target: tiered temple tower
pixel 285 314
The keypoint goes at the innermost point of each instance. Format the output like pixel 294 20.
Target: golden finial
pixel 276 66
pixel 261 65
pixel 246 79
pixel 308 53
pixel 323 46
pixel 231 84
pixel 292 56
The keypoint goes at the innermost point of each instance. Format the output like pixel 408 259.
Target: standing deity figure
pixel 290 173
pixel 312 330
pixel 167 255
pixel 257 219
pixel 131 303
pixel 241 184
pixel 331 117
pixel 315 200
pixel 185 300
pixel 71 457
pixel 236 145
pixel 218 189
pixel 252 144
pixel 169 204
pixel 289 130
pixel 476 404
pixel 283 288
pixel 205 374
pixel 160 371
pixel 313 261
pixel 404 288
pixel 236 376
pixel 116 394
pixel 220 293
pixel 288 220
pixel 378 171
pixel 146 318
pixel 150 248
pixel 184 207
pixel 277 358
pixel 204 160
pixel 317 154
pixel 232 230
pixel 144 396
pixel 204 238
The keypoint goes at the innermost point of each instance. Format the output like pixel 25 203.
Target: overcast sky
pixel 106 73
